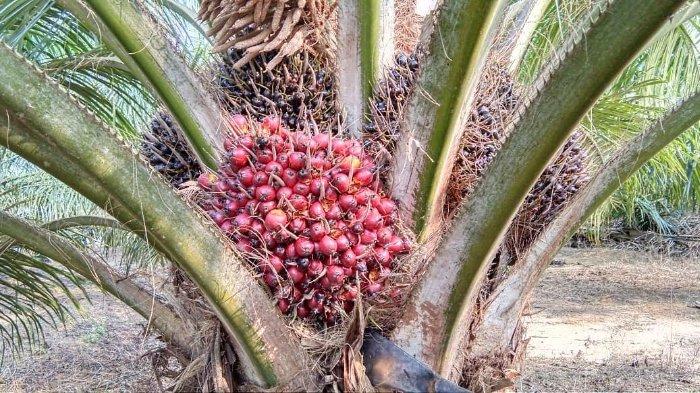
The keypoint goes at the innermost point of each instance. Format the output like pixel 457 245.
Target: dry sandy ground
pixel 603 320
pixel 99 352
pixel 610 320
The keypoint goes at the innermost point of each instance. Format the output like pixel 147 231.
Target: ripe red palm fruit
pixel 363 177
pixel 271 123
pixel 386 206
pixel 341 182
pixel 335 274
pixel 246 176
pixel 239 158
pixel 265 193
pixel 312 205
pixel 303 247
pixel 298 202
pixel 348 258
pixel 238 122
pixel 343 242
pixel 297 160
pixel 205 180
pixel 283 305
pixel 316 210
pixel 275 220
pixel 295 274
pixel 284 193
pixel 327 246
pixel 318 231
pixel 297 225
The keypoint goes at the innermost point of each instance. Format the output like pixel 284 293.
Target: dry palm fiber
pixel 407 26
pixel 263 26
pixel 167 151
pixel 300 90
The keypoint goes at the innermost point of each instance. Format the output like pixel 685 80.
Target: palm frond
pixel 31 193
pixel 179 18
pixel 663 74
pixel 71 53
pixel 34 294
pixel 666 72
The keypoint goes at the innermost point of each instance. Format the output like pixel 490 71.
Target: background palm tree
pixel 122 65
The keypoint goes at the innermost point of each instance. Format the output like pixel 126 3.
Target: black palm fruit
pixel 299 90
pixel 166 150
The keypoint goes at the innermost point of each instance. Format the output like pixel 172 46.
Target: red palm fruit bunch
pixel 309 211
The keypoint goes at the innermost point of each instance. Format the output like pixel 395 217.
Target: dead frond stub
pixel 263 26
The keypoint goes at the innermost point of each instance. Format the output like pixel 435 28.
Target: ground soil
pixel 101 351
pixel 602 319
pixel 612 320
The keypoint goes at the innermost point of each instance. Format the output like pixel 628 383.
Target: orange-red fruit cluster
pixel 309 210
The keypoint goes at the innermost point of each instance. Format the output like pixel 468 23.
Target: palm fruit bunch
pixel 485 132
pixel 309 212
pixel 167 151
pixel 388 101
pixel 557 185
pixel 299 90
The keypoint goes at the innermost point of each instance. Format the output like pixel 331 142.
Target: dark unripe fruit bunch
pixel 387 106
pixel 298 90
pixel 309 211
pixel 167 151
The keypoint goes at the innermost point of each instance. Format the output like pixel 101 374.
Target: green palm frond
pixel 120 247
pixel 179 17
pixel 72 54
pixel 666 72
pixel 663 74
pixel 557 23
pixel 34 294
pixel 31 193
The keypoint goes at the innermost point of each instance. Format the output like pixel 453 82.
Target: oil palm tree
pixel 81 77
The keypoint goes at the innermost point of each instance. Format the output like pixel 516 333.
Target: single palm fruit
pixel 309 210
